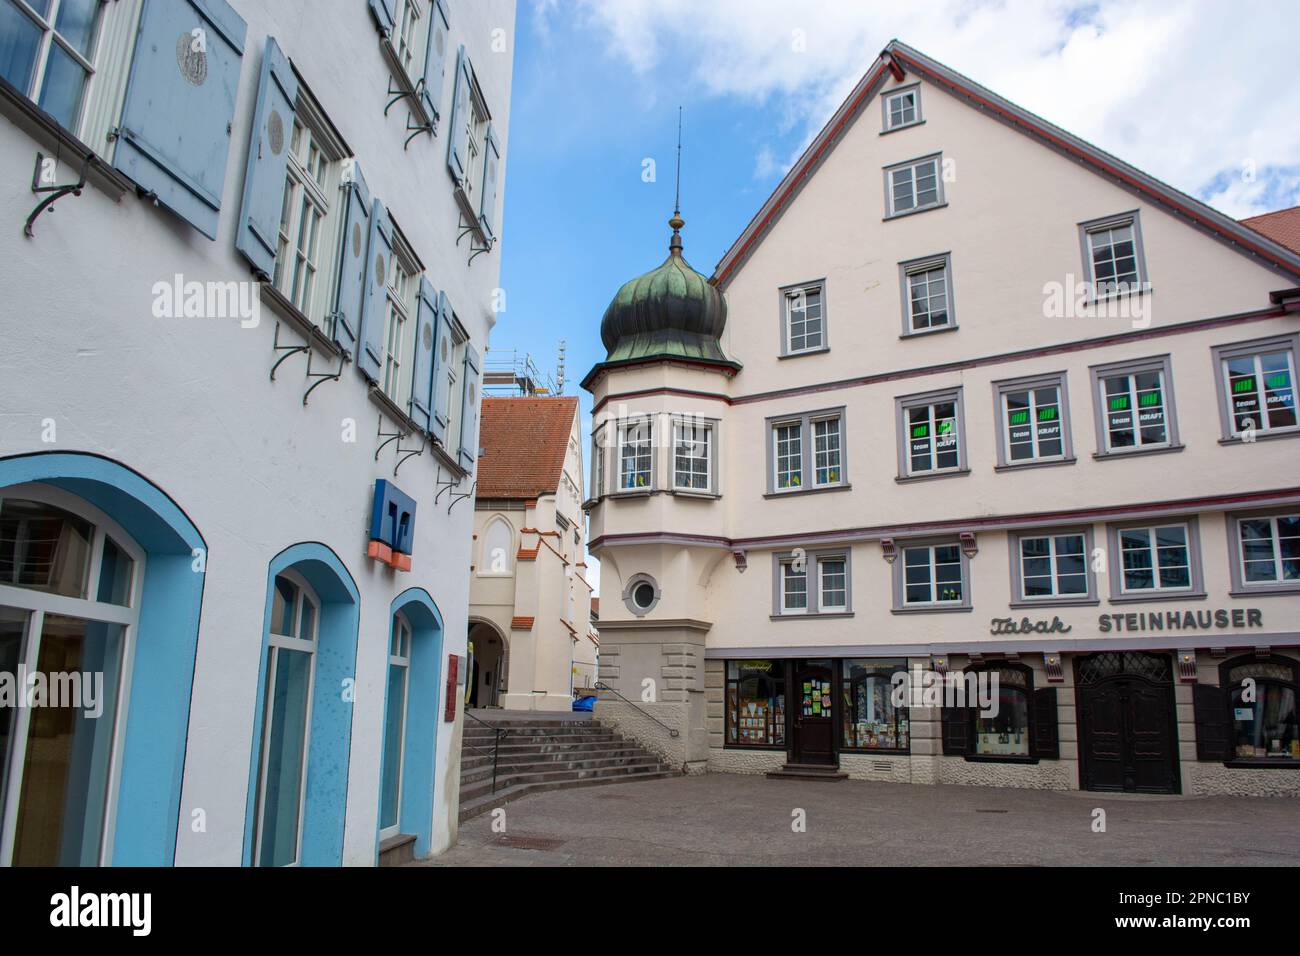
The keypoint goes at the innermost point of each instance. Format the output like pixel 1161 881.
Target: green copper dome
pixel 671 312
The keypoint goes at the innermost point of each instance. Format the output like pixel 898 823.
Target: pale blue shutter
pixel 442 369
pixel 469 409
pixel 383 14
pixel 174 135
pixel 435 58
pixel 422 368
pixel 458 141
pixel 268 158
pixel 379 256
pixel 348 296
pixel 487 215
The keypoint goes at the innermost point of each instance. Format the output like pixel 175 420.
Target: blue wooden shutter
pixel 348 300
pixel 374 296
pixel 383 14
pixel 487 214
pixel 458 141
pixel 469 409
pixel 435 58
pixel 442 369
pixel 174 135
pixel 268 158
pixel 422 368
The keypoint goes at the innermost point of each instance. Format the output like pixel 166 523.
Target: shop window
pixel 399 668
pixel 756 704
pixel 914 186
pixel 1257 388
pixel 1052 567
pixel 1034 421
pixel 1134 407
pixel 931 439
pixel 803 319
pixel 931 577
pixel 1021 726
pixel 871 720
pixel 1265 552
pixel 1250 720
pixel 806 452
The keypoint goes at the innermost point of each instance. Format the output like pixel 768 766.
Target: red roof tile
pixel 521 623
pixel 1282 226
pixel 524 441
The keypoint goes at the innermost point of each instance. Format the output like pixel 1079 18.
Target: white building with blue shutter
pixel 245 298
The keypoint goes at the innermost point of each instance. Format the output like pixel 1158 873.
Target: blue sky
pixel 1194 92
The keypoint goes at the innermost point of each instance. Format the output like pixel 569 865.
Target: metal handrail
pixel 498 734
pixel 672 731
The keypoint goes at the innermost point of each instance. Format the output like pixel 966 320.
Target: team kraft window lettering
pixel 1257 388
pixel 1134 404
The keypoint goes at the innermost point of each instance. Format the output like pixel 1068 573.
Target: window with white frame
pixel 806 452
pixel 1269 550
pixel 286 721
pixel 788 442
pixel 928 299
pixel 1113 254
pixel 826 451
pixel 409 36
pixel 794 587
pixel 1053 565
pixel 1155 558
pixel 403 279
pixel 635 455
pixel 811 583
pixel 1032 422
pixel 455 366
pixel 913 186
pixel 902 108
pixel 805 327
pixel 598 461
pixel 933 575
pixel 932 435
pixel 47 50
pixel 1257 387
pixel 1135 409
pixel 692 455
pixel 399 669
pixel 476 123
pixel 832 588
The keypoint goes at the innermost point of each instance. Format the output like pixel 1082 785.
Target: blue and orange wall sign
pixel 392 526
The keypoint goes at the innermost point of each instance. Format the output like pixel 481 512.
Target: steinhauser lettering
pixel 1218 619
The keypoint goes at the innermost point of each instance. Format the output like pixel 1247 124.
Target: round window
pixel 644 594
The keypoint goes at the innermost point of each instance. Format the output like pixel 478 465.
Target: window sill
pixel 471 221
pixel 702 495
pixel 803 352
pixel 902 126
pixel 1156 596
pixel 797 492
pixel 932 609
pixel 409 89
pixel 1262 436
pixel 1055 602
pixel 933 330
pixel 632 493
pixel 930 476
pixel 1137 453
pixel 1144 288
pixel 1264 763
pixel 408 426
pixel 913 212
pixel 1274 590
pixel 817 616
pixel 990 758
pixel 1037 463
pixel 286 310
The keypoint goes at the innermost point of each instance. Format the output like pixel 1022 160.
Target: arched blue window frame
pixel 423 718
pixel 329 745
pixel 153 752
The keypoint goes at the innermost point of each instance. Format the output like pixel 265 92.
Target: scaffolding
pixel 509 373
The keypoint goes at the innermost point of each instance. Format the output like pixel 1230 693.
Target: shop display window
pixel 870 720
pixel 755 703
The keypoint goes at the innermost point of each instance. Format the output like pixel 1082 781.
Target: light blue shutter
pixel 469 409
pixel 442 369
pixel 487 214
pixel 348 301
pixel 268 158
pixel 422 368
pixel 458 141
pixel 174 135
pixel 383 14
pixel 435 58
pixel 374 296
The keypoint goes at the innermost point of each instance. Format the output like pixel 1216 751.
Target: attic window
pixel 902 108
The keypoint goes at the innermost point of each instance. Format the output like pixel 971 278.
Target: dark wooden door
pixel 1127 736
pixel 813 741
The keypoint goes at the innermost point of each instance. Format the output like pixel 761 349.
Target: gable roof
pixel 899 60
pixel 1282 226
pixel 524 442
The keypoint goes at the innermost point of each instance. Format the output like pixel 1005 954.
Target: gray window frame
pixel 783 318
pixel 1029 383
pixel 812 574
pixel 1018 597
pixel 1133 218
pixel 925 264
pixel 807 451
pixel 1115 564
pixel 622 425
pixel 1132 367
pixel 598 465
pixel 887 95
pixel 630 588
pixel 699 421
pixel 896 574
pixel 1220 353
pixel 1235 560
pixel 902 404
pixel 942 199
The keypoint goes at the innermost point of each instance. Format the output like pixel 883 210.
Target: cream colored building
pixel 529 598
pixel 972 397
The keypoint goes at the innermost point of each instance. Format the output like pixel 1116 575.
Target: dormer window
pixel 902 108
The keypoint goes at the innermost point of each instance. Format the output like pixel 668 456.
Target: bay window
pixel 694 455
pixel 635 455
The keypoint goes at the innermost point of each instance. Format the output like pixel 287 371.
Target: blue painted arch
pixel 329 745
pixel 162 675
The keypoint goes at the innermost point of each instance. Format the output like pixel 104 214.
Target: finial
pixel 675 243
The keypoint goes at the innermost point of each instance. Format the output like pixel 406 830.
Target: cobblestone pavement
pixel 735 820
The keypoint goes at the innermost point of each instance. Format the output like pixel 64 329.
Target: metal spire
pixel 675 243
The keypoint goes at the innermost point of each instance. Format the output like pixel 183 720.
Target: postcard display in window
pixel 870 720
pixel 816 698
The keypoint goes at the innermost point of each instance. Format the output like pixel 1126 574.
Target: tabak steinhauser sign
pixel 1213 619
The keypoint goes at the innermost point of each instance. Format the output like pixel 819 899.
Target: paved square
pixel 735 820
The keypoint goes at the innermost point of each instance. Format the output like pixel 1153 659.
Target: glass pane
pixel 393 721
pixel 13 626
pixel 1008 732
pixel 871 721
pixel 285 757
pixel 20 38
pixel 69 744
pixel 282 607
pixel 76 23
pixel 1266 727
pixel 756 702
pixel 61 92
pixel 44 548
pixel 115 575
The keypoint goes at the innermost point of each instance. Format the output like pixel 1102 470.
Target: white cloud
pixel 1187 92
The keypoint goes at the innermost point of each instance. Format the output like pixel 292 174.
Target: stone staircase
pixel 540 754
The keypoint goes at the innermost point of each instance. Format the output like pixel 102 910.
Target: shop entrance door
pixel 1127 733
pixel 813 741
